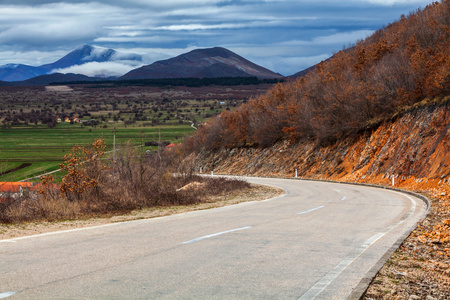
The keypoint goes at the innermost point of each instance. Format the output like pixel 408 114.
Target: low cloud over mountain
pixel 86 60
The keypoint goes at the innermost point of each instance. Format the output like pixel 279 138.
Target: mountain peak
pixel 82 55
pixel 201 63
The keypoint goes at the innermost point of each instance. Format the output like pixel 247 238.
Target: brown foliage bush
pixel 131 181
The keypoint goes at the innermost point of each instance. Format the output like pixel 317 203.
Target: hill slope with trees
pixel 399 65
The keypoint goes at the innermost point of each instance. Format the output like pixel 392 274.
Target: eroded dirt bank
pixel 414 145
pixel 414 149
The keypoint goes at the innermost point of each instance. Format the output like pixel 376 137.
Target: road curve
pixel 319 241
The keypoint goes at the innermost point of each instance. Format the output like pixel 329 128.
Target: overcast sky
pixel 285 36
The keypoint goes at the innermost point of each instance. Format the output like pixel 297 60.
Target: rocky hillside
pixel 414 145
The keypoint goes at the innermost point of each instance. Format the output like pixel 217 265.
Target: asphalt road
pixel 320 240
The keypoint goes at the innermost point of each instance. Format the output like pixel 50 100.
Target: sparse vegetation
pixel 96 187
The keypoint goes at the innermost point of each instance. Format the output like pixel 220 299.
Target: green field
pixel 45 147
pixel 30 132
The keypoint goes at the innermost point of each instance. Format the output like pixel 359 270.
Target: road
pixel 319 241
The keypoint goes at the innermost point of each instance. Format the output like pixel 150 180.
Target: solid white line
pixel 7 294
pixel 13 240
pixel 215 234
pixel 314 291
pixel 312 209
pixel 323 283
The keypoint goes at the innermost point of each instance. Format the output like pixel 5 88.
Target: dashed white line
pixel 310 210
pixel 215 234
pixel 7 294
pixel 343 198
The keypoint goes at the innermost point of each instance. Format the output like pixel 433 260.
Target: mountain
pixel 78 57
pixel 19 72
pixel 88 54
pixel 202 63
pixel 303 72
pixel 56 78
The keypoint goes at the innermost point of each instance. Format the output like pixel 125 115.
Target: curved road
pixel 319 241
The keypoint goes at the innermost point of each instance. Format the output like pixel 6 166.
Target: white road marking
pixel 13 240
pixel 7 294
pixel 343 198
pixel 314 291
pixel 215 234
pixel 310 210
pixel 323 283
pixel 338 191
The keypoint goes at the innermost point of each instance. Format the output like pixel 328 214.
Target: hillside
pixel 396 67
pixel 414 145
pixel 202 63
pixel 377 112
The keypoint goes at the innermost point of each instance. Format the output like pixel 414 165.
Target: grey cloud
pixel 106 69
pixel 279 34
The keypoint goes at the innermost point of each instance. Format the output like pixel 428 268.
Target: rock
pixel 430 298
pixel 414 297
pixel 401 273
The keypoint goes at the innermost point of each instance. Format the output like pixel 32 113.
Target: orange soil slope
pixel 414 149
pixel 415 145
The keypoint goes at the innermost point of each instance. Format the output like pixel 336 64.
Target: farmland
pixel 40 125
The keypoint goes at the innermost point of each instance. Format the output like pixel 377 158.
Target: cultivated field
pixel 40 125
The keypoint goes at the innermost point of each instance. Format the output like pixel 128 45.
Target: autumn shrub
pixel 121 182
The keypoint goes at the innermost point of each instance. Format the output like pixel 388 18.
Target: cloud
pixel 396 2
pixel 282 35
pixel 96 69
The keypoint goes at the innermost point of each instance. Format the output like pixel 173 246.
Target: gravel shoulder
pixel 420 268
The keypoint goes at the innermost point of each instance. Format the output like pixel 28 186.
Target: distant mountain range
pixel 201 63
pixel 78 57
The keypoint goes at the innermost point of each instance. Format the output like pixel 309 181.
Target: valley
pixel 39 125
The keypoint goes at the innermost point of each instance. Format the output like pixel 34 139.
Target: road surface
pixel 319 241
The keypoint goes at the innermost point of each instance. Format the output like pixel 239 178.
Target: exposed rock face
pixel 416 144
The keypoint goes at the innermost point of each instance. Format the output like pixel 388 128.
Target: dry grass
pixel 252 193
pixel 98 188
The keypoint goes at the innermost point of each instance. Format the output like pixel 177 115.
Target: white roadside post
pixel 393 180
pixel 295 173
